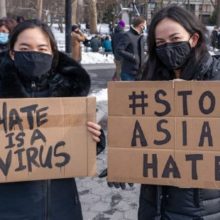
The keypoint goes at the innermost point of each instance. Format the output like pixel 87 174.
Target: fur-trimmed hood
pixel 68 79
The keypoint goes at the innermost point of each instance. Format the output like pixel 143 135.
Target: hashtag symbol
pixel 138 101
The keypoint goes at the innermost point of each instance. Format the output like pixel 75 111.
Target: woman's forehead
pixel 33 35
pixel 167 27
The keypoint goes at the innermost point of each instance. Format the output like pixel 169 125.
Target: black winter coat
pixel 49 199
pixel 173 203
pixel 116 37
pixel 131 51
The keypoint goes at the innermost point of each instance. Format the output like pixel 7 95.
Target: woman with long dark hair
pixel 33 67
pixel 177 50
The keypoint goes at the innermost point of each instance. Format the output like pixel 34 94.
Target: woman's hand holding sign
pixel 95 130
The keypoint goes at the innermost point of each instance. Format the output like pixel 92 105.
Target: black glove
pixel 100 146
pixel 104 173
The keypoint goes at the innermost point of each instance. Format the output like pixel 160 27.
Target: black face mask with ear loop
pixel 32 65
pixel 174 55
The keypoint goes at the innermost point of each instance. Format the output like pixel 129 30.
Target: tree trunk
pixel 39 9
pixel 74 11
pixel 218 13
pixel 80 9
pixel 93 16
pixel 2 8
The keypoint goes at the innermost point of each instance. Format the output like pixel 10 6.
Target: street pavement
pixel 100 202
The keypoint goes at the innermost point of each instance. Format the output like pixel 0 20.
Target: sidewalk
pixel 96 66
pixel 99 202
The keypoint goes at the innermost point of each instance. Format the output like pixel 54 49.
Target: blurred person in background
pixel 107 44
pixel 6 27
pixel 20 19
pixel 131 50
pixel 95 43
pixel 214 37
pixel 116 36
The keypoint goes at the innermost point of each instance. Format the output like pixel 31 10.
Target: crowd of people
pixel 32 66
pixel 93 43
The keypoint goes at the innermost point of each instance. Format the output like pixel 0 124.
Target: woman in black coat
pixel 34 68
pixel 177 50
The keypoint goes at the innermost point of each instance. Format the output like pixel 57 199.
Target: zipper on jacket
pixel 33 88
pixel 47 199
pixel 159 198
pixel 196 197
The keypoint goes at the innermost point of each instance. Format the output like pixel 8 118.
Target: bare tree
pixel 81 11
pixel 39 8
pixel 74 11
pixel 2 8
pixel 93 16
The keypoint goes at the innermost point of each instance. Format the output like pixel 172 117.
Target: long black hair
pixel 34 23
pixel 155 70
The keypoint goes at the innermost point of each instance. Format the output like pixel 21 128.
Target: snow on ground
pixel 101 95
pixel 95 57
pixel 101 105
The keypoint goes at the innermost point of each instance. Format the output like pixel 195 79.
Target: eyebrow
pixel 41 45
pixel 172 35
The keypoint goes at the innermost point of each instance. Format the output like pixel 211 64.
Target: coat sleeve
pixel 78 36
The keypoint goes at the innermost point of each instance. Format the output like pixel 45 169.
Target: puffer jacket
pixel 49 199
pixel 173 203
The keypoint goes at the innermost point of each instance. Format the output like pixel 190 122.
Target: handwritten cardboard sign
pixel 164 133
pixel 46 138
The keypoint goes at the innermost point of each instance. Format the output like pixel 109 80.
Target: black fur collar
pixel 68 79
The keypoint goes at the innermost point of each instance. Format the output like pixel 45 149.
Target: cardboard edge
pixel 91 144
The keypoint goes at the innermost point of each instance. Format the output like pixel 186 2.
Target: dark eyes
pixel 23 49
pixel 42 49
pixel 172 40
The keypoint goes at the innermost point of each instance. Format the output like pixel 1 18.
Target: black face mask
pixel 174 55
pixel 32 65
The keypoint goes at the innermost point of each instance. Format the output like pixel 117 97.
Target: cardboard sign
pixel 46 138
pixel 164 133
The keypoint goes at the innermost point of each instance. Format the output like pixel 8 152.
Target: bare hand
pixel 94 129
